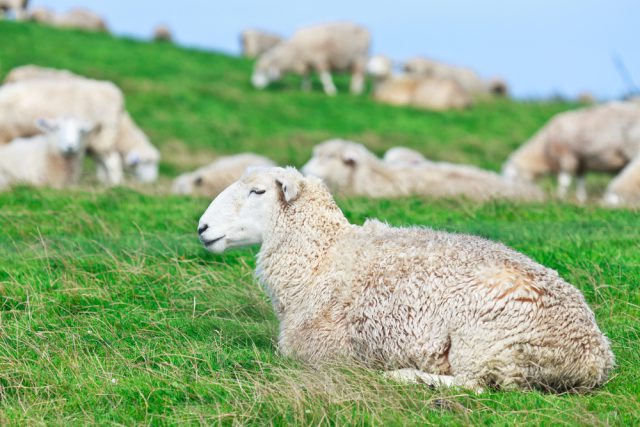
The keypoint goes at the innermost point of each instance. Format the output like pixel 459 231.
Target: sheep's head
pixel 336 161
pixel 244 211
pixel 140 157
pixel 68 134
pixel 266 69
pixel 380 67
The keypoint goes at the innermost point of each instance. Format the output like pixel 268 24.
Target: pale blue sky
pixel 540 47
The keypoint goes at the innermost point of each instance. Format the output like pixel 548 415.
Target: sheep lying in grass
pixel 321 48
pixel 139 156
pixel 349 168
pixel 211 179
pixel 81 19
pixel 51 159
pixel 602 138
pixel 17 7
pixel 398 156
pixel 424 305
pixel 102 103
pixel 256 42
pixel 624 189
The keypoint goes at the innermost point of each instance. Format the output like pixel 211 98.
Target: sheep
pixel 211 179
pixel 51 159
pixel 322 48
pixel 36 72
pixel 256 42
pixel 466 77
pixel 82 19
pixel 17 7
pixel 422 305
pixel 404 156
pixel 139 156
pixel 349 169
pixel 42 15
pixel 601 138
pixel 162 33
pixel 624 189
pixel 21 103
pixel 431 93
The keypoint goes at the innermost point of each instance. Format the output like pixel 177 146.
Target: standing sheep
pixel 423 305
pixel 603 138
pixel 322 48
pixel 256 42
pixel 350 169
pixel 624 189
pixel 51 159
pixel 17 7
pixel 102 103
pixel 211 179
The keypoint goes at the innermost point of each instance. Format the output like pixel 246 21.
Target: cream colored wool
pixel 424 305
pixel 624 189
pixel 81 19
pixel 256 42
pixel 422 92
pixel 339 46
pixel 211 179
pixel 42 15
pixel 99 102
pixel 36 72
pixel 600 138
pixel 398 156
pixel 350 169
pixel 18 7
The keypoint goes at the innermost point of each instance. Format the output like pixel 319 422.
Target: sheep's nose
pixel 203 228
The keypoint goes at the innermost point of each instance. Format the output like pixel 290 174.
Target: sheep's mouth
pixel 208 243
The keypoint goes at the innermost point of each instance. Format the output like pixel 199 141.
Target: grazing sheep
pixel 423 305
pixel 81 19
pixel 601 138
pixel 624 189
pixel 36 72
pixel 466 77
pixel 398 156
pixel 256 42
pixel 350 169
pixel 139 156
pixel 42 15
pixel 102 103
pixel 162 33
pixel 17 7
pixel 51 159
pixel 322 48
pixel 211 179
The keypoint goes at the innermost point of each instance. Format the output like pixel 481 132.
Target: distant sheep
pixel 42 15
pixel 17 7
pixel 162 33
pixel 624 189
pixel 423 305
pixel 211 179
pixel 601 138
pixel 81 19
pixel 321 48
pixel 256 42
pixel 98 102
pixel 350 169
pixel 51 159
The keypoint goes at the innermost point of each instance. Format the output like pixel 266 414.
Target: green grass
pixel 111 312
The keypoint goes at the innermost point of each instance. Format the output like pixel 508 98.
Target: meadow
pixel 112 312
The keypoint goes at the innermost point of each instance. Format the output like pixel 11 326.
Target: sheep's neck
pixel 293 254
pixel 59 168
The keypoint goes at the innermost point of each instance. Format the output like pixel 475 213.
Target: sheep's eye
pixel 255 191
pixel 198 181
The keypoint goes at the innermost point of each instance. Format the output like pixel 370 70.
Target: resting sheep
pixel 81 19
pixel 423 305
pixel 36 72
pixel 256 42
pixel 624 189
pixel 162 33
pixel 101 103
pixel 322 48
pixel 397 156
pixel 211 179
pixel 350 169
pixel 17 7
pixel 602 138
pixel 51 159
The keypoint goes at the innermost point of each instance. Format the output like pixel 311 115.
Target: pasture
pixel 112 312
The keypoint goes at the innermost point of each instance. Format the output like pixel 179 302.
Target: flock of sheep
pixel 422 305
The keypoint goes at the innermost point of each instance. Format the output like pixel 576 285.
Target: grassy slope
pixel 111 311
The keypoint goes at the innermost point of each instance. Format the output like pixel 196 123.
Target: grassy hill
pixel 113 313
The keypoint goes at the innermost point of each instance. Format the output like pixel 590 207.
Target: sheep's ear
pixel 46 125
pixel 289 188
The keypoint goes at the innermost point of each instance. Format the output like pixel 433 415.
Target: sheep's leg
pixel 109 168
pixel 564 182
pixel 327 83
pixel 357 77
pixel 581 189
pixel 306 83
pixel 414 376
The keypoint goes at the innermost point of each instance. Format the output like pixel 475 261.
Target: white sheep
pixel 256 42
pixel 624 189
pixel 36 72
pixel 17 7
pixel 602 138
pixel 404 156
pixel 102 103
pixel 350 169
pixel 211 179
pixel 81 19
pixel 52 159
pixel 321 48
pixel 42 15
pixel 422 305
